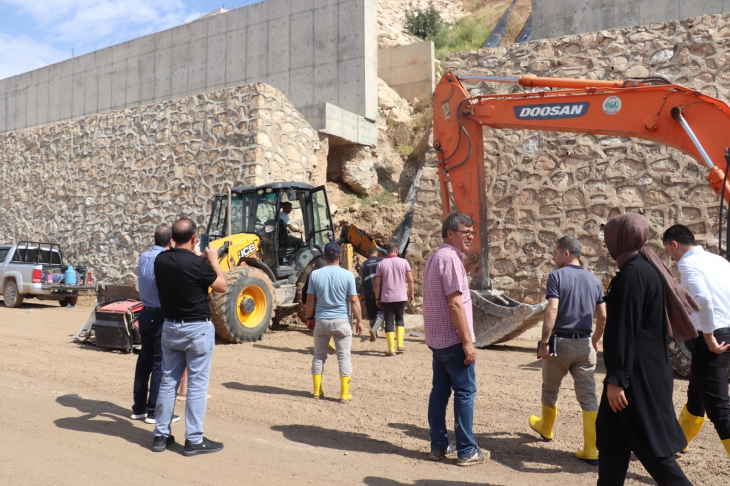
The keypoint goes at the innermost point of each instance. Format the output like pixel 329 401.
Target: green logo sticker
pixel 612 105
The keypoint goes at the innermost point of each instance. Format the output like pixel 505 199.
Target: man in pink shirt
pixel 392 278
pixel 449 329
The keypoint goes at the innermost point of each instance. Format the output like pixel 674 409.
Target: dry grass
pixel 517 18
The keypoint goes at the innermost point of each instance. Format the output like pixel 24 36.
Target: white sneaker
pixel 138 416
pixel 151 419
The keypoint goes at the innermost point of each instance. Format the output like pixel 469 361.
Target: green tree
pixel 425 24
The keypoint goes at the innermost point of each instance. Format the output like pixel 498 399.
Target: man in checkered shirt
pixel 449 328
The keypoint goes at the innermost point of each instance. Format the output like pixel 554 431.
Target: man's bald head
pixel 183 230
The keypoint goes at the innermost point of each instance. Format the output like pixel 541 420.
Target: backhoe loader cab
pixel 266 260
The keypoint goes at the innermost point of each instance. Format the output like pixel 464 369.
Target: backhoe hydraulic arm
pixel 693 123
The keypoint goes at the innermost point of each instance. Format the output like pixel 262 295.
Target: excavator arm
pixel 673 115
pixel 691 122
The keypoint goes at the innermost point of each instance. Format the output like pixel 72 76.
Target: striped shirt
pixel 443 275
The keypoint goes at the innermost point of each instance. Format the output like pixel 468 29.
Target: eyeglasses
pixel 468 233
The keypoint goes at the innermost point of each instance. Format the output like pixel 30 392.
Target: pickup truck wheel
pixel 11 297
pixel 68 300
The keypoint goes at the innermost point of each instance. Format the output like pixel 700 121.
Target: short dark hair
pixel 373 251
pixel 286 203
pixel 681 234
pixel 331 258
pixel 454 221
pixel 183 230
pixel 391 247
pixel 571 245
pixel 163 233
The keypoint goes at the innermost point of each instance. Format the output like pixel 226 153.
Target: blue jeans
pixel 450 372
pixel 185 344
pixel 148 373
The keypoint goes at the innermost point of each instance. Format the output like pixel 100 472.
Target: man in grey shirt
pixel 574 295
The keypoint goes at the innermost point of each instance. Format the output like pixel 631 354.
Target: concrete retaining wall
pixel 99 184
pixel 409 69
pixel 314 51
pixel 564 17
pixel 544 185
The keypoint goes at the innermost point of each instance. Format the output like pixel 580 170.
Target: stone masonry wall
pixel 543 185
pixel 99 185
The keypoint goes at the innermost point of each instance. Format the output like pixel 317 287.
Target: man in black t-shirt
pixel 188 336
pixel 367 276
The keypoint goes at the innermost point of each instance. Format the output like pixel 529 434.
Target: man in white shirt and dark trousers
pixel 707 278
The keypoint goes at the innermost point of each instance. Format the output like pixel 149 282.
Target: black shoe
pixel 204 447
pixel 161 442
pixel 150 419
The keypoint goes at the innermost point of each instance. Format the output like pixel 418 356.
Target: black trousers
pixel 708 388
pixel 393 315
pixel 371 307
pixel 148 373
pixel 613 463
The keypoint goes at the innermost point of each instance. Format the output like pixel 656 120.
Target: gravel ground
pixel 66 406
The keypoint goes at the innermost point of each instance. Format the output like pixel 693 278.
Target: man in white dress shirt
pixel 707 278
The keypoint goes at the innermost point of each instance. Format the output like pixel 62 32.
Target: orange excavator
pixel 648 108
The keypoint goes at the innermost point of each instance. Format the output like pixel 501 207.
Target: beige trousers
pixel 577 357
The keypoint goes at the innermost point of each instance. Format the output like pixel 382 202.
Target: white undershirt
pixel 706 277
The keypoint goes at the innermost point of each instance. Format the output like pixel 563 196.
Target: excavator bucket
pixel 497 318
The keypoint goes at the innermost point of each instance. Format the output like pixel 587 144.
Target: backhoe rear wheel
pixel 243 313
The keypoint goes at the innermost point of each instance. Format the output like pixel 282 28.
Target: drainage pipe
pixel 500 29
pixel 526 32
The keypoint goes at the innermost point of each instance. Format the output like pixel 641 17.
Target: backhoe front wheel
pixel 243 312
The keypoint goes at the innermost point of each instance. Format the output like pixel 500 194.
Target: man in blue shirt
pixel 330 296
pixel 148 374
pixel 574 296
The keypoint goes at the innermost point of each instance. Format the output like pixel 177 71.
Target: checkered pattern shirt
pixel 444 274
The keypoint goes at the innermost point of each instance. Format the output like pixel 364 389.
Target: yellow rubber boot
pixel 691 425
pixel 390 339
pixel 544 425
pixel 589 453
pixel 726 443
pixel 400 333
pixel 345 392
pixel 318 392
pixel 331 348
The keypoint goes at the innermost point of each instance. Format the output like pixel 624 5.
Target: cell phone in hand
pixel 204 241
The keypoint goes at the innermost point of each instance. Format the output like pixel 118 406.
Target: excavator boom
pixel 670 114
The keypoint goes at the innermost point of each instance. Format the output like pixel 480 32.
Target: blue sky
pixel 36 33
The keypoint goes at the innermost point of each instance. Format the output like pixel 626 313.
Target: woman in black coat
pixel 636 413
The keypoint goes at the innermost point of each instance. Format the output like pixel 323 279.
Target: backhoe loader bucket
pixel 497 318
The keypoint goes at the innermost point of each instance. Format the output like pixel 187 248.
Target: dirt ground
pixel 65 417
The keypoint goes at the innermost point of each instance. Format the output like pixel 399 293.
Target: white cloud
pixel 87 24
pixel 20 54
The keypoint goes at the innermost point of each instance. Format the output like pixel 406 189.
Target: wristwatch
pixel 544 345
pixel 310 318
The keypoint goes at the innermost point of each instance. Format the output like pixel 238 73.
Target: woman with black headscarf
pixel 636 413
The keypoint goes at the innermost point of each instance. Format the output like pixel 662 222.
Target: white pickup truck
pixel 38 270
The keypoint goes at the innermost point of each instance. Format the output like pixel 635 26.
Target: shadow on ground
pixel 267 390
pixel 343 441
pixel 105 418
pixel 514 451
pixel 375 481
